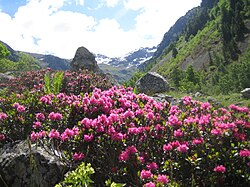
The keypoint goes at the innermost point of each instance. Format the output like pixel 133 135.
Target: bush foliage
pixel 129 138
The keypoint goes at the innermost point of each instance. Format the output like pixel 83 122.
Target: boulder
pixel 166 98
pixel 84 59
pixel 5 77
pixel 246 93
pixel 24 164
pixel 152 83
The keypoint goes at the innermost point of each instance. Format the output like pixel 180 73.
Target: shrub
pixel 80 177
pixel 132 139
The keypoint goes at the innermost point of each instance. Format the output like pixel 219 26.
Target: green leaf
pixel 47 86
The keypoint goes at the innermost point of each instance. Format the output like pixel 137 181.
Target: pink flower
pixel 41 134
pixel 152 166
pixel 204 119
pixel 54 134
pixel 173 120
pixel 34 136
pixel 46 100
pixel 2 137
pixel 240 136
pixel 146 174
pixel 150 116
pixel 15 105
pixel 55 116
pixel 131 149
pixel 245 153
pixel 216 132
pixel 187 100
pixel 69 132
pixel 139 112
pixel 220 169
pixel 37 124
pixel 76 131
pixel 113 117
pixel 141 159
pixel 124 156
pixel 167 147
pixel 175 144
pixel 133 130
pixel 88 138
pixel 3 116
pixel 21 108
pixel 40 116
pixel 117 136
pixel 78 156
pixel 182 148
pixel 205 106
pixel 174 110
pixel 86 123
pixel 178 133
pixel 162 179
pixel 197 141
pixel 64 137
pixel 128 114
pixel 150 184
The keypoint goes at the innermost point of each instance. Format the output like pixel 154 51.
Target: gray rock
pixel 166 98
pixel 84 59
pixel 198 94
pixel 5 77
pixel 22 166
pixel 246 93
pixel 152 83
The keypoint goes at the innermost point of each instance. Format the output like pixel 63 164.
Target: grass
pixel 218 100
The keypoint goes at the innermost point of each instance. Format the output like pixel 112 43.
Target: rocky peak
pixel 84 59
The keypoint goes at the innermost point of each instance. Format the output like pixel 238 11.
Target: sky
pixel 109 27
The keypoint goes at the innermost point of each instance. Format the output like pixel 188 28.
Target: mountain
pixel 51 61
pixel 130 60
pixel 207 49
pixel 13 56
pixel 183 25
pixel 123 67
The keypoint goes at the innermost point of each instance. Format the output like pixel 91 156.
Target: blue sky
pixel 109 27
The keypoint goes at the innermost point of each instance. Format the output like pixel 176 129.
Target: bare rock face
pixel 246 93
pixel 29 166
pixel 84 59
pixel 152 83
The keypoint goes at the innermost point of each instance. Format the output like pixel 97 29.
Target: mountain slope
pixel 123 67
pixel 209 49
pixel 51 61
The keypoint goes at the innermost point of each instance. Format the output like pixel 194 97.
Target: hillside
pixel 15 61
pixel 208 50
pixel 51 61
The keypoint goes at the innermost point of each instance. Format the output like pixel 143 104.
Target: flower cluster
pixel 146 143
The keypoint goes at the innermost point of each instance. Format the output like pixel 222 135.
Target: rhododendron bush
pixel 132 139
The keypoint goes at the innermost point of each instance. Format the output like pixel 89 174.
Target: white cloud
pixel 158 16
pixel 42 27
pixel 111 3
pixel 112 40
pixel 80 2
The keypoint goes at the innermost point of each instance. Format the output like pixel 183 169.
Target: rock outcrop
pixel 5 77
pixel 246 93
pixel 29 166
pixel 84 59
pixel 152 83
